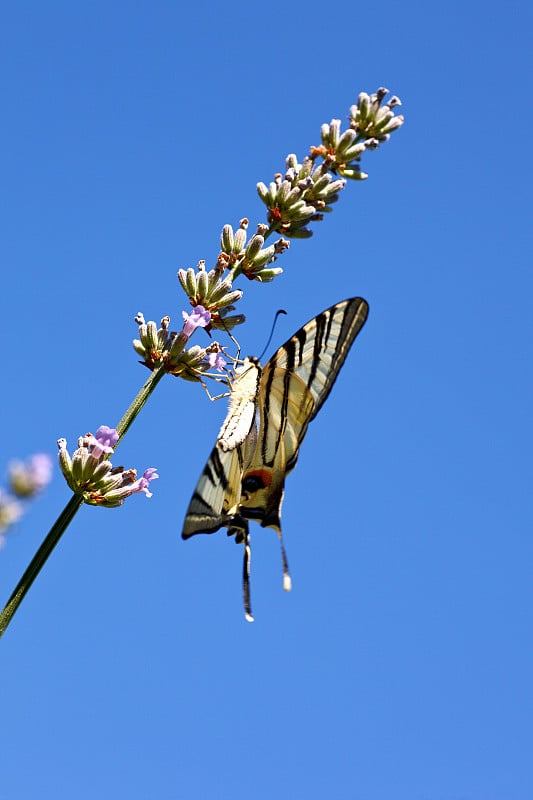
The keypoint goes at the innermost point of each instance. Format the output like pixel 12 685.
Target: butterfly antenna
pixel 246 578
pixel 287 582
pixel 278 312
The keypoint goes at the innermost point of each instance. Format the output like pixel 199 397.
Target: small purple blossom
pixel 103 441
pixel 198 318
pixel 142 484
pixel 118 492
pixel 216 361
pixel 108 437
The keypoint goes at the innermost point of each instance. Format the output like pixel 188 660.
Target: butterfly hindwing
pixel 284 414
pixel 217 492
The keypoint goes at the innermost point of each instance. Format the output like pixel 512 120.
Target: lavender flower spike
pixel 198 318
pixel 90 473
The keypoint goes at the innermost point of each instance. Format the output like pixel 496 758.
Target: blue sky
pixel 400 665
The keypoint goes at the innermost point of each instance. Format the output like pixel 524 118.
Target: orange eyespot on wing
pixel 255 480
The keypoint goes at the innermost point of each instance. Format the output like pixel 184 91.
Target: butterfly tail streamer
pixel 246 578
pixel 287 581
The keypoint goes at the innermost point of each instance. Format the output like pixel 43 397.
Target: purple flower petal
pixel 108 437
pixel 198 318
pixel 216 361
pixel 102 443
pixel 142 484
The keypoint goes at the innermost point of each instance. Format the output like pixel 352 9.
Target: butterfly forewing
pixel 318 350
pixel 285 406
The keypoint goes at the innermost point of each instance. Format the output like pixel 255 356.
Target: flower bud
pixel 239 240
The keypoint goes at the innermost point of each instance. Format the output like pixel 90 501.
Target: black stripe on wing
pixel 214 470
pixel 313 355
pixel 318 350
pixel 217 490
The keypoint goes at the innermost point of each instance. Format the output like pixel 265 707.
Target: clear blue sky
pixel 400 666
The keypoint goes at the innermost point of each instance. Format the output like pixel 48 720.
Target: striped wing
pixel 318 350
pixel 217 494
pixel 247 482
pixel 293 386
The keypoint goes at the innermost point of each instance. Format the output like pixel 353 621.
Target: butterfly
pixel 270 408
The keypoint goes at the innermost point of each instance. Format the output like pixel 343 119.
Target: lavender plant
pixel 294 200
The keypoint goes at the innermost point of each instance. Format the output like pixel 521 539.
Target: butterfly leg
pixel 287 582
pixel 246 577
pixel 206 390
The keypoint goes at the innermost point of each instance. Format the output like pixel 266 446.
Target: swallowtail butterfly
pixel 269 411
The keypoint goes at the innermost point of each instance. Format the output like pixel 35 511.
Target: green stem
pixel 138 403
pixel 39 560
pixel 65 518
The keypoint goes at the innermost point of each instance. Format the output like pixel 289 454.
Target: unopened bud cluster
pixel 153 342
pixel 299 197
pixel 249 257
pixel 160 346
pixel 212 292
pixel 374 119
pixel 89 472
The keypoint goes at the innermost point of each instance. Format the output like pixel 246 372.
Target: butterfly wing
pixel 294 385
pixel 217 494
pixel 283 419
pixel 317 351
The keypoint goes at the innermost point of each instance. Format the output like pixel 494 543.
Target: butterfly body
pixel 242 404
pixel 269 412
